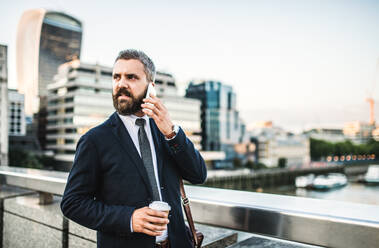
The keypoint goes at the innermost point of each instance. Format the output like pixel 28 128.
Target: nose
pixel 121 83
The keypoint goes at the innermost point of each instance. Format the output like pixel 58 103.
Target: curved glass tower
pixel 45 40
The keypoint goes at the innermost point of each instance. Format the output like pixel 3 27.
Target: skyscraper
pixel 3 105
pixel 221 125
pixel 45 39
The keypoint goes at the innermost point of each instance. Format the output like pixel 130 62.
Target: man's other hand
pixel 149 221
pixel 157 110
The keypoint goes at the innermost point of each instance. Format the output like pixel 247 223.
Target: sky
pixel 300 64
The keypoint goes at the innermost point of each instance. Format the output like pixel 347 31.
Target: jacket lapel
pixel 158 147
pixel 127 144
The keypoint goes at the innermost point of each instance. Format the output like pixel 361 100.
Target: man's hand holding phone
pixel 150 90
pixel 155 109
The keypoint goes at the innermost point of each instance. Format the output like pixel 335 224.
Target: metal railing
pixel 312 221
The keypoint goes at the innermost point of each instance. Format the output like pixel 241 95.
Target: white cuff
pixel 171 138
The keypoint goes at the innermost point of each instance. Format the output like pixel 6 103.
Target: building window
pixel 52 131
pixel 69 110
pixel 69 141
pixel 70 89
pixel 70 130
pixel 71 99
pixel 86 70
pixel 67 120
pixel 52 122
pixel 69 152
pixel 105 73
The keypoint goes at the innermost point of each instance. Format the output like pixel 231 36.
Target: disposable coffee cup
pixel 160 206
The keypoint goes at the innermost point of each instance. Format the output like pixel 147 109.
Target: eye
pixel 131 76
pixel 116 77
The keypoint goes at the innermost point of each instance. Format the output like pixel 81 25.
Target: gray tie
pixel 144 146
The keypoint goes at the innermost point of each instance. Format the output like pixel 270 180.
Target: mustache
pixel 123 91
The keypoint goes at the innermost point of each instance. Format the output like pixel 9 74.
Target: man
pixel 136 156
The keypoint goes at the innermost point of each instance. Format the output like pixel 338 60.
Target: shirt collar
pixel 132 118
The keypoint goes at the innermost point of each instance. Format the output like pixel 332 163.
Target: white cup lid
pixel 160 206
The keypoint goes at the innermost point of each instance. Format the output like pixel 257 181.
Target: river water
pixel 353 192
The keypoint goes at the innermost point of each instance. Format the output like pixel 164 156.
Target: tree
pixel 321 148
pixel 21 158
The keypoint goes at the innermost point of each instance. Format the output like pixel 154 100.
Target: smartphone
pixel 150 89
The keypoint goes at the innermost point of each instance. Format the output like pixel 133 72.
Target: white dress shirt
pixel 130 125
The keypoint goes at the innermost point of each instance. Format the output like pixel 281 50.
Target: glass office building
pixel 45 40
pixel 221 125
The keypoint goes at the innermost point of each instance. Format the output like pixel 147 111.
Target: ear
pixel 153 83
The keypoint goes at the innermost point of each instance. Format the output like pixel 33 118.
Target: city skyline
pixel 299 64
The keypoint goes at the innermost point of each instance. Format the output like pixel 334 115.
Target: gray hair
pixel 148 64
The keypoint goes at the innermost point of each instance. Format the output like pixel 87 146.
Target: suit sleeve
pixel 189 161
pixel 79 201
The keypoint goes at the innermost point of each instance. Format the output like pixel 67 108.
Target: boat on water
pixel 304 181
pixel 372 175
pixel 321 182
pixel 329 181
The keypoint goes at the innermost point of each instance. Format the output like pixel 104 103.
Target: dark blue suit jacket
pixel 108 181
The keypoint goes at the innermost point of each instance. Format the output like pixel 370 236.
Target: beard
pixel 127 106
